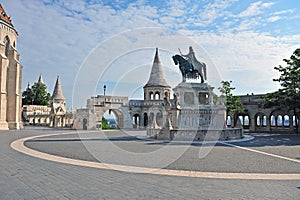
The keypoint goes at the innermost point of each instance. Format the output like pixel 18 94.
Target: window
pixel 157 96
pixel 228 122
pixel 264 121
pixel 279 120
pixel 273 120
pixel 258 121
pixel 286 120
pixel 246 120
pixel 295 121
pixel 151 95
pixel 7 45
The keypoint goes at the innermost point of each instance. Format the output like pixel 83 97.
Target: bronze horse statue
pixel 188 70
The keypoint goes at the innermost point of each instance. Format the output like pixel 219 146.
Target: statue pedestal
pixel 195 117
pixel 194 94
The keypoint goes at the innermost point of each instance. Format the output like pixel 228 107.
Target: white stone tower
pixel 10 75
pixel 58 106
pixel 157 87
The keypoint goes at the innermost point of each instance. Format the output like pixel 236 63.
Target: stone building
pixel 58 106
pixel 10 75
pixel 256 118
pixel 55 115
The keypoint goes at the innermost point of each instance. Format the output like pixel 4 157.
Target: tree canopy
pixel 233 103
pixel 36 95
pixel 288 96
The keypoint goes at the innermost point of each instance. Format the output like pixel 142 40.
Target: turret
pixel 157 87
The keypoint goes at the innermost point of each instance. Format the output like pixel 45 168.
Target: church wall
pixel 11 79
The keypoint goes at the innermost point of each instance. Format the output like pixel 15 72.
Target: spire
pixel 57 92
pixel 157 76
pixel 28 85
pixel 40 79
pixel 4 18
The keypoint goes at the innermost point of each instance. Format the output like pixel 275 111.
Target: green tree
pixel 36 95
pixel 233 103
pixel 27 96
pixel 105 124
pixel 288 96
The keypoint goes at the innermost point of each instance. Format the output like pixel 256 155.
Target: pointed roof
pixel 40 79
pixel 157 76
pixel 4 18
pixel 57 92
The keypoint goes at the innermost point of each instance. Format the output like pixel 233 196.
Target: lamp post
pixel 104 88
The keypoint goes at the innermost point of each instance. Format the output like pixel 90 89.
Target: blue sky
pixel 240 40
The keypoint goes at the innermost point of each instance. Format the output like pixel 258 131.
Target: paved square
pixel 26 177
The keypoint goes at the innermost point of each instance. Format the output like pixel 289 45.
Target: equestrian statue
pixel 189 66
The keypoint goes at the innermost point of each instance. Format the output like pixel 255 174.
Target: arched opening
pixel 273 120
pixel 286 121
pixel 295 121
pixel 279 120
pixel 145 119
pixel 264 121
pixel 157 96
pixel 258 121
pixel 228 121
pixel 111 119
pixel 7 45
pixel 245 121
pixel 136 120
pixel 151 95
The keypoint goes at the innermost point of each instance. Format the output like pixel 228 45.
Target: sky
pixel 92 43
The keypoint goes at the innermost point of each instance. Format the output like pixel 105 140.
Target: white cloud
pixel 274 18
pixel 255 8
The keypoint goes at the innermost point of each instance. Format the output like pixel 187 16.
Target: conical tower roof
pixel 57 92
pixel 157 76
pixel 40 79
pixel 4 18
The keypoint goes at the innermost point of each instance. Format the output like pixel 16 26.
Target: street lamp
pixel 104 88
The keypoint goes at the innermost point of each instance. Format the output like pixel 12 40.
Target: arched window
pixel 7 45
pixel 279 120
pixel 151 95
pixel 241 119
pixel 136 119
pixel 264 120
pixel 273 120
pixel 157 96
pixel 145 119
pixel 246 120
pixel 228 122
pixel 258 121
pixel 286 120
pixel 295 120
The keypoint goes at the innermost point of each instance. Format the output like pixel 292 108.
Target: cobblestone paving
pixel 25 177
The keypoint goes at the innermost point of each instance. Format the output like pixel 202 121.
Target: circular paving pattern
pixel 256 159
